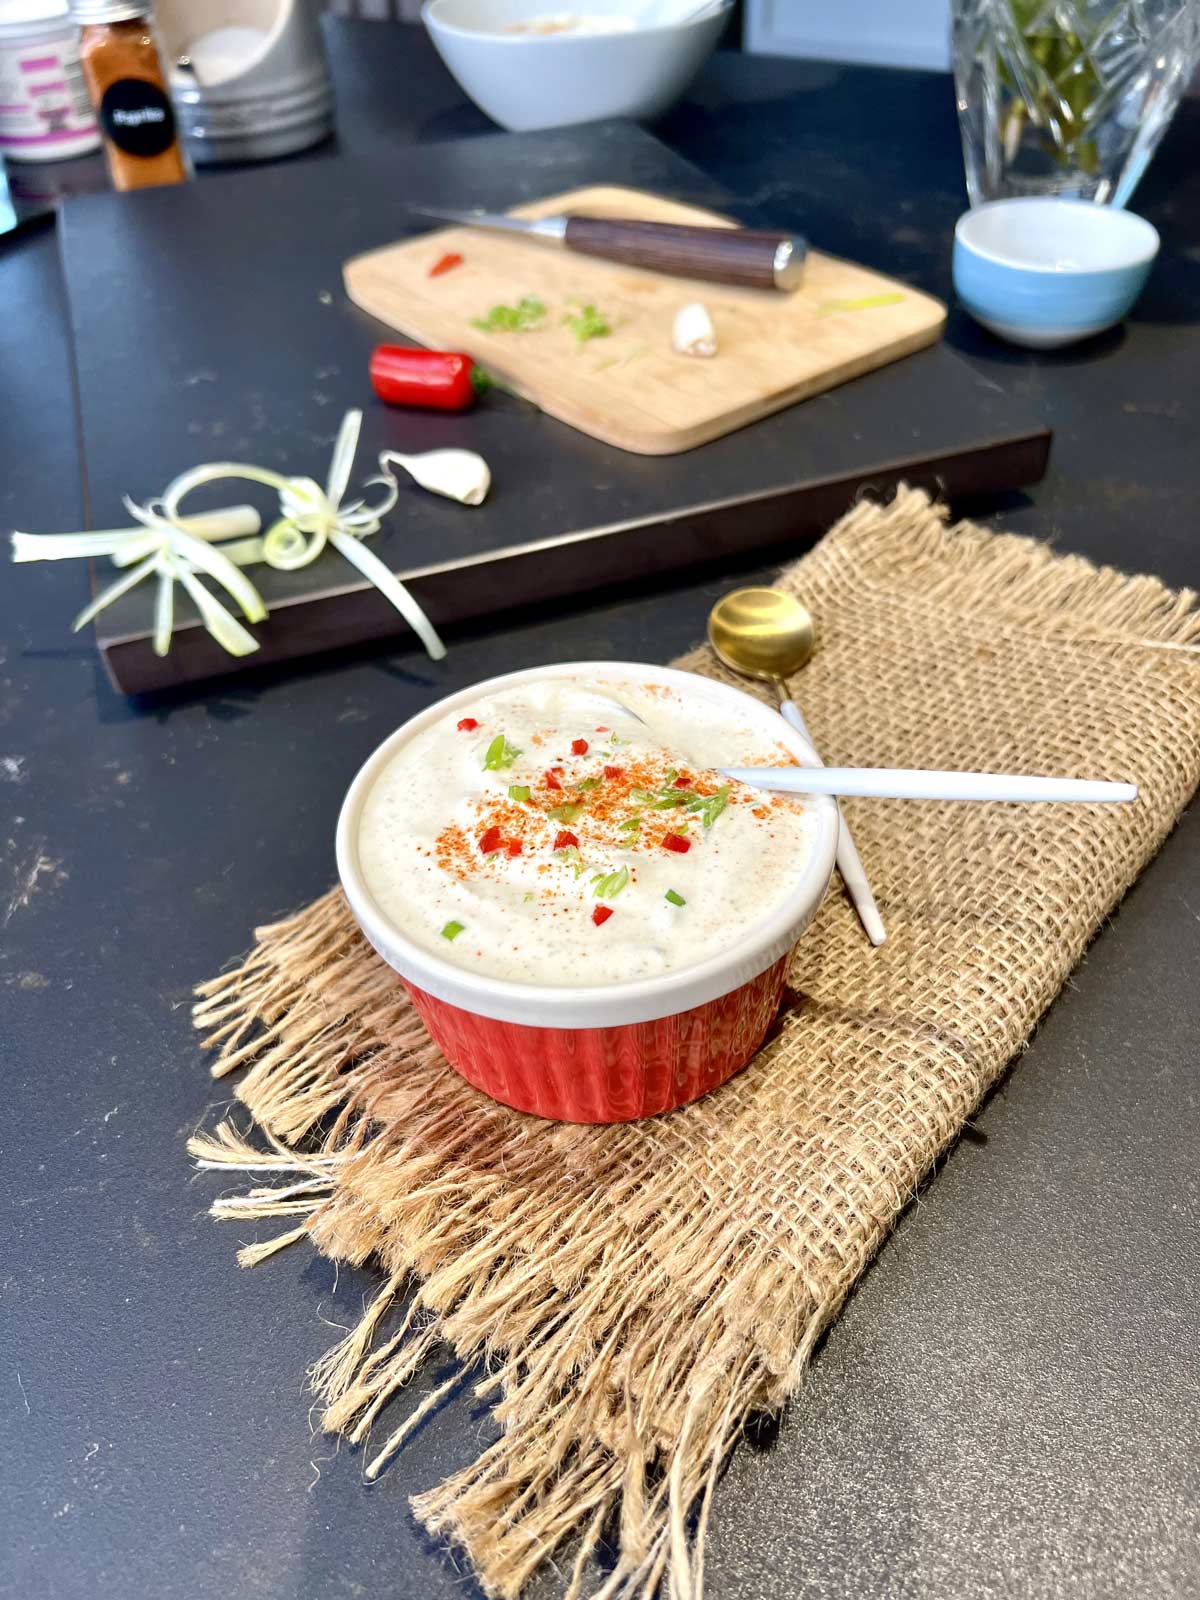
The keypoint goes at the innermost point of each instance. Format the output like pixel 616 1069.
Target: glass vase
pixel 1068 97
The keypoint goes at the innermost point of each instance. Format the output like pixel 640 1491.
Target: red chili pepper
pixel 438 380
pixel 601 914
pixel 564 840
pixel 579 747
pixel 514 847
pixel 447 263
pixel 603 730
pixel 614 772
pixel 467 725
pixel 682 783
pixel 552 777
pixel 676 842
pixel 489 841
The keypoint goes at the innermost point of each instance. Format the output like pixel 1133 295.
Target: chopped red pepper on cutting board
pixel 446 263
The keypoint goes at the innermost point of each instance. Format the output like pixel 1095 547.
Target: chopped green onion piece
pixel 499 754
pixel 570 854
pixel 675 899
pixel 564 813
pixel 609 884
pixel 630 825
pixel 452 930
pixel 588 783
pixel 587 323
pixel 672 774
pixel 865 302
pixel 710 806
pixel 615 738
pixel 527 314
pixel 518 791
pixel 665 799
pixel 528 896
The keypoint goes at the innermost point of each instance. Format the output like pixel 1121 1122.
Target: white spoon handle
pixel 849 862
pixel 908 783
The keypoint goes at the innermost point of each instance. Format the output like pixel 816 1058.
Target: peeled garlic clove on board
pixel 458 474
pixel 694 334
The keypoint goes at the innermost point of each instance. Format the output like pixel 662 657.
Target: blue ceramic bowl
pixel 1046 272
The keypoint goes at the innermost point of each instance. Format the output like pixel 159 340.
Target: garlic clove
pixel 693 333
pixel 458 474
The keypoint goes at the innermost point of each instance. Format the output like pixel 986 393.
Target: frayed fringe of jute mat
pixel 627 1296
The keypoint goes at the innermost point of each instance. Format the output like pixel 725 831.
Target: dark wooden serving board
pixel 209 322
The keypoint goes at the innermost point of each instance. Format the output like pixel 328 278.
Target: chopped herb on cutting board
pixel 586 322
pixel 528 313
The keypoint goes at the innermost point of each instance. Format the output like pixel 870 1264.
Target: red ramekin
pixel 611 1052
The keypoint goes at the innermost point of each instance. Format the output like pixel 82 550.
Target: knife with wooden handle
pixel 754 258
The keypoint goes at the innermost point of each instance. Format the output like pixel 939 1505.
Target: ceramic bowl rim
pixel 1014 263
pixel 432 19
pixel 614 1004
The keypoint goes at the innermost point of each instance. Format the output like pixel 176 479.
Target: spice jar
pixel 44 112
pixel 124 74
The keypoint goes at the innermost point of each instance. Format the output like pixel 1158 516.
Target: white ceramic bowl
pixel 526 81
pixel 602 1053
pixel 1045 272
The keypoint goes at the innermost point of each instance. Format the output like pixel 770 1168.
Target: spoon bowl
pixel 762 632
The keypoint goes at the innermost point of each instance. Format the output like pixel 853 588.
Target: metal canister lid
pixel 85 11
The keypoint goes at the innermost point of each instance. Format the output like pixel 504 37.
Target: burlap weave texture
pixel 625 1296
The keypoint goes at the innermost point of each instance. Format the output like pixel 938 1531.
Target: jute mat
pixel 624 1297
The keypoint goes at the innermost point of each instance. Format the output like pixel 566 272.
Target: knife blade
pixel 755 258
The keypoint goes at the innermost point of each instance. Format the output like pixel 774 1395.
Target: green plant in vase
pixel 1061 97
pixel 1068 97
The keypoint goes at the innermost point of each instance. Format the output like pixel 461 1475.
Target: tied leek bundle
pixel 171 547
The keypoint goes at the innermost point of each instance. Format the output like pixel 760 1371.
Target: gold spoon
pixel 769 635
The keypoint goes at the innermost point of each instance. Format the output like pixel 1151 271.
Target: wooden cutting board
pixel 631 389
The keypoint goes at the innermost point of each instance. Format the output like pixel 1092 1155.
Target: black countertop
pixel 1008 1405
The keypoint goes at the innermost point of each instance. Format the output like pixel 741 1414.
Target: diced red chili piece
pixel 446 263
pixel 682 783
pixel 514 847
pixel 601 914
pixel 603 730
pixel 467 725
pixel 579 747
pixel 490 840
pixel 565 840
pixel 552 777
pixel 614 772
pixel 676 842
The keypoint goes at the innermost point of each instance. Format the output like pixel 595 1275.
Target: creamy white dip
pixel 590 22
pixel 559 833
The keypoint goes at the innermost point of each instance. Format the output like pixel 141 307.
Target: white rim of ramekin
pixel 606 1005
pixel 1145 252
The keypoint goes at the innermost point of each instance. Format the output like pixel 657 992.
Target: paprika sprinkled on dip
pixel 562 832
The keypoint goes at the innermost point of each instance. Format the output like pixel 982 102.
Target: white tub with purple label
pixel 44 110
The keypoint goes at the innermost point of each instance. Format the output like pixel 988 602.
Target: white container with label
pixel 44 110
